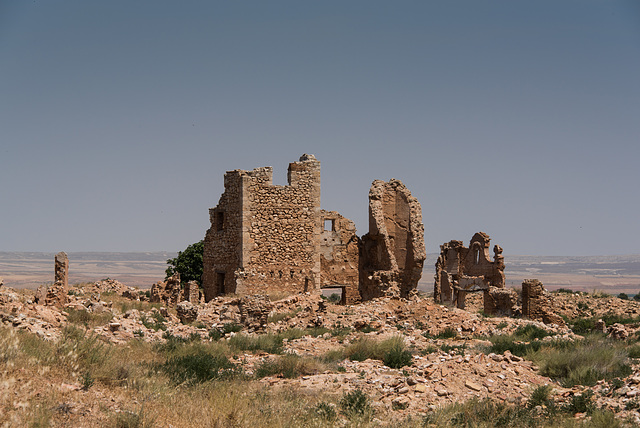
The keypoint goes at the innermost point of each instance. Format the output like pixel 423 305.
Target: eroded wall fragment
pixel 536 303
pixel 393 251
pixel 57 293
pixel 340 256
pixel 461 270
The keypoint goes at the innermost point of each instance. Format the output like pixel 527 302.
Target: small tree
pixel 637 297
pixel 623 296
pixel 188 263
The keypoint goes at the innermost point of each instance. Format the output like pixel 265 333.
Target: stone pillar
pixel 62 270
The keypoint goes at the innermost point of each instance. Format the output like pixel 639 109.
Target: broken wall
pixel 460 270
pixel 340 256
pixel 536 303
pixel 393 251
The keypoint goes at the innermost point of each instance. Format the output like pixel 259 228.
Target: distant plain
pixel 611 274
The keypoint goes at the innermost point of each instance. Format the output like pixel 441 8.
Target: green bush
pixel 288 366
pixel 355 404
pixel 531 332
pixel 199 366
pixel 325 411
pixel 623 296
pixel 397 357
pixel 188 263
pixel 581 403
pixel 365 348
pixel 271 343
pixel 481 413
pixel 540 396
pixel 447 333
pixel 583 325
pixel 584 362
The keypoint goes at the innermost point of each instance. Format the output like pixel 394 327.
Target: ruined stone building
pixel 266 238
pixel 461 270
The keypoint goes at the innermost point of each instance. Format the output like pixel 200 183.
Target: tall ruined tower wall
pixel 268 240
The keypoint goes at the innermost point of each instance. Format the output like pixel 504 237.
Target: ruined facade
pixel 266 238
pixel 460 270
pixel 393 251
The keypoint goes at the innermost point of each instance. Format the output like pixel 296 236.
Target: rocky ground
pixel 449 347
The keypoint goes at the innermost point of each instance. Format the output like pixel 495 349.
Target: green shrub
pixel 355 404
pixel 540 396
pixel 325 411
pixel 447 333
pixel 481 413
pixel 531 332
pixel 500 344
pixel 231 327
pixel 270 343
pixel 583 325
pixel 581 403
pixel 365 348
pixel 583 363
pixel 633 351
pixel 623 296
pixel 397 357
pixel 199 366
pixel 215 334
pixel 288 366
pixel 564 290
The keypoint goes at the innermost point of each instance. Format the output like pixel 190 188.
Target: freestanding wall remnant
pixel 393 251
pixel 536 303
pixel 57 293
pixel 266 238
pixel 62 270
pixel 460 270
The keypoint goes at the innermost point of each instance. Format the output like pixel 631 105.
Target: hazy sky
pixel 521 119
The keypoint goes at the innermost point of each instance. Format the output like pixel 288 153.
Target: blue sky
pixel 521 119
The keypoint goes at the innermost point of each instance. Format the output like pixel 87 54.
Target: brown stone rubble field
pixel 47 376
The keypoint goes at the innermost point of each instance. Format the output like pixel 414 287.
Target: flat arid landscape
pixel 609 274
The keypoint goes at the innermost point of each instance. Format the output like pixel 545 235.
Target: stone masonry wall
pixel 460 269
pixel 339 256
pixel 269 239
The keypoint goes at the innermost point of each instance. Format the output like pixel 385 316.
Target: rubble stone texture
pixel 500 302
pixel 536 303
pixel 167 292
pixel 267 239
pixel 460 270
pixel 393 251
pixel 187 312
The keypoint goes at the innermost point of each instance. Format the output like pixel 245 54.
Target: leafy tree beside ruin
pixel 188 263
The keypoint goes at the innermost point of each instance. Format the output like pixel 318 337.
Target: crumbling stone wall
pixel 264 237
pixel 500 302
pixel 393 251
pixel 339 255
pixel 460 270
pixel 536 303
